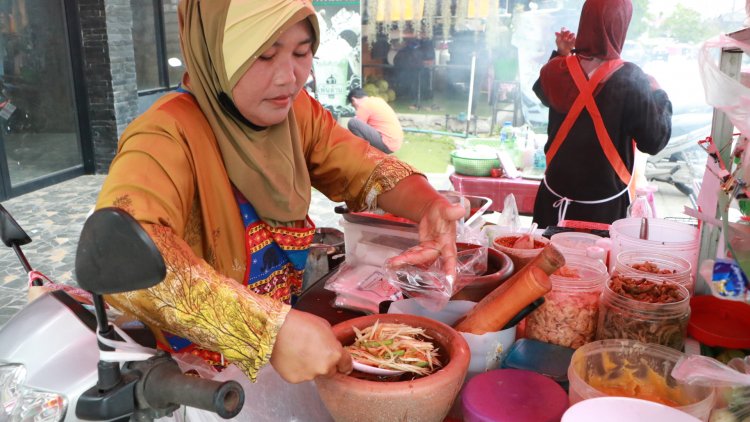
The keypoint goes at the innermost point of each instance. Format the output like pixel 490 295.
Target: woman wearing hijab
pixel 600 109
pixel 220 174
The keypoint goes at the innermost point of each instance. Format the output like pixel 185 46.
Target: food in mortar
pixel 395 346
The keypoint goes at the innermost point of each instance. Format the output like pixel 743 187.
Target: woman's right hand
pixel 565 41
pixel 306 348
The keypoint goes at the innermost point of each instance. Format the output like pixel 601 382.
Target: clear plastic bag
pixel 722 91
pixel 733 378
pixel 431 286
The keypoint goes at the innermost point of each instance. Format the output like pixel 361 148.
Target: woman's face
pixel 264 94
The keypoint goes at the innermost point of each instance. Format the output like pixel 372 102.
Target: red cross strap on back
pixel 586 89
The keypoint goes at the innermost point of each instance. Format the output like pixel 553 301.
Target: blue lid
pixel 507 124
pixel 537 356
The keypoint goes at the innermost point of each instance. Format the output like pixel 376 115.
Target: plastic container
pixel 373 244
pixel 512 395
pixel 718 322
pixel 520 257
pixel 487 350
pixel 570 311
pixel 574 243
pixel 629 368
pixel 543 358
pixel 621 317
pixel 664 236
pixel 674 268
pixel 624 409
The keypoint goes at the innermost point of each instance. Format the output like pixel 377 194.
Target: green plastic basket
pixel 474 166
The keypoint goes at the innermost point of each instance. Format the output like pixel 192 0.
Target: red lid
pixel 720 322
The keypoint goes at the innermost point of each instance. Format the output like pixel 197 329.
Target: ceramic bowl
pixel 349 398
pixel 499 268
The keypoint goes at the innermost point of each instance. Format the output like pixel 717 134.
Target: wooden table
pixel 497 188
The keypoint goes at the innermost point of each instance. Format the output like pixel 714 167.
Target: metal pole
pixel 471 91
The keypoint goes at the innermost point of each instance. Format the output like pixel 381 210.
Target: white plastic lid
pixel 574 242
pixel 624 409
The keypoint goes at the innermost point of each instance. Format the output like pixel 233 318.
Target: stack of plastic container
pixel 662 236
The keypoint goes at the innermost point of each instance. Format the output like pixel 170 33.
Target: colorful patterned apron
pixel 276 259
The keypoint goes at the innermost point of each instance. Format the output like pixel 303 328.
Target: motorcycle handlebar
pixel 166 385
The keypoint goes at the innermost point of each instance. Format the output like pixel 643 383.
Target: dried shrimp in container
pixel 570 312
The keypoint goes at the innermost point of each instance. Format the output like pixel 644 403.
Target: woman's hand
pixel 565 41
pixel 306 348
pixel 437 236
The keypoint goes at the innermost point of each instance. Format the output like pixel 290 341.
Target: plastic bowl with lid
pixel 574 243
pixel 629 368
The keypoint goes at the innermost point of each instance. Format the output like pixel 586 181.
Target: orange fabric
pixel 586 99
pixel 169 174
pixel 377 113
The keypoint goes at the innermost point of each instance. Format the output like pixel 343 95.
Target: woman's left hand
pixel 437 236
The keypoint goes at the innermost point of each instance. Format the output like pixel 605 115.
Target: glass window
pixel 37 108
pixel 175 64
pixel 156 43
pixel 145 45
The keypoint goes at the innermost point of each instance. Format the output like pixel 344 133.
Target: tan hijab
pixel 220 40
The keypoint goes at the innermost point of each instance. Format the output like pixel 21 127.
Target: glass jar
pixel 645 263
pixel 570 311
pixel 647 319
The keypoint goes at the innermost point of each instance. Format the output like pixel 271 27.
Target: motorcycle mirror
pixel 115 254
pixel 10 231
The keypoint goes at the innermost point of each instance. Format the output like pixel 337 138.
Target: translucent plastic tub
pixel 664 266
pixel 570 312
pixel 574 243
pixel 629 368
pixel 663 321
pixel 664 236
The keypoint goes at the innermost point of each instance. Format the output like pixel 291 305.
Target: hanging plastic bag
pixel 722 91
pixel 732 382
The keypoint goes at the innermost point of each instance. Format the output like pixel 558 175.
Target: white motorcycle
pixel 60 360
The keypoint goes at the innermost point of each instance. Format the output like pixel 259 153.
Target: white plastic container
pixel 630 368
pixel 624 409
pixel 664 236
pixel 574 243
pixel 487 350
pixel 367 244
